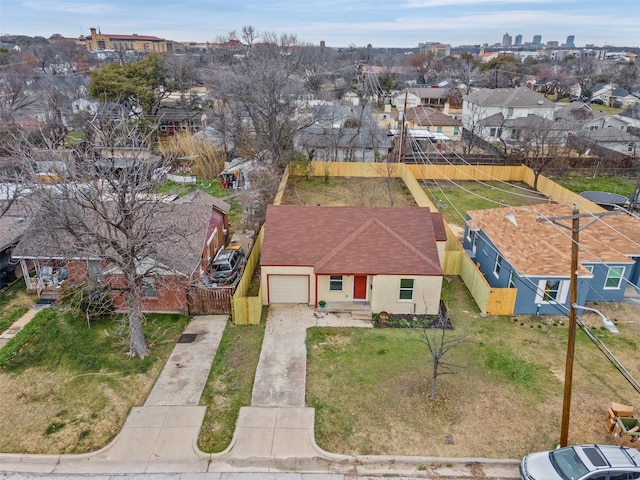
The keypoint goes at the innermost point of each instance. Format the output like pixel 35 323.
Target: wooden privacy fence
pixel 209 301
pixel 246 310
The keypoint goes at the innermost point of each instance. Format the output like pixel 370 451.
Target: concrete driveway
pixel 281 374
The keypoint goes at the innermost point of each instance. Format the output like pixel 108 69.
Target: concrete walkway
pixel 18 325
pixel 274 434
pixel 161 435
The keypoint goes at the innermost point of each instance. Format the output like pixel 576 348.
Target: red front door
pixel 360 287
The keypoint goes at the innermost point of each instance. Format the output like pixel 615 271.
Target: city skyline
pixel 339 23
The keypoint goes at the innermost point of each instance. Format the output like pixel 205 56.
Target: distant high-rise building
pixel 571 41
pixel 518 40
pixel 537 39
pixel 552 43
pixel 506 40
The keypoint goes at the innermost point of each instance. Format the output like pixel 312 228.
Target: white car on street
pixel 582 462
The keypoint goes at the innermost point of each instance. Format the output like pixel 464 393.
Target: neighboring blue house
pixel 515 250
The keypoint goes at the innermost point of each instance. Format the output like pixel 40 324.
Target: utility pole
pixel 573 296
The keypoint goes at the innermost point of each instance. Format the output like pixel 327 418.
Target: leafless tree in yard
pixel 439 345
pixel 627 77
pixel 105 208
pixel 257 97
pixel 540 144
pixel 14 93
pixel 585 70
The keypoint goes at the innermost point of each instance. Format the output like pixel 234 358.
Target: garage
pixel 288 289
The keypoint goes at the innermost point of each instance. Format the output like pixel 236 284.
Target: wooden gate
pixel 209 301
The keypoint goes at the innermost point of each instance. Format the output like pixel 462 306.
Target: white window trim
pixel 497 266
pixel 336 280
pixel 406 289
pixel 561 298
pixel 620 279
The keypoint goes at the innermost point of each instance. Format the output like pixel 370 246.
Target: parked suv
pixel 226 266
pixel 582 462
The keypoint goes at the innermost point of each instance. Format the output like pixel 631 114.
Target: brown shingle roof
pixel 354 240
pixel 427 116
pixel 543 248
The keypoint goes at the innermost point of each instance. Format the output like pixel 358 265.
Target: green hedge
pixel 7 321
pixel 30 329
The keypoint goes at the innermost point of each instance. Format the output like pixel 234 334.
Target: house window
pixel 614 278
pixel 149 289
pixel 94 268
pixel 335 283
pixel 509 112
pixel 406 288
pixel 589 267
pixel 456 131
pixel 439 129
pixel 497 266
pixel 512 280
pixel 493 131
pixel 551 290
pixel 630 148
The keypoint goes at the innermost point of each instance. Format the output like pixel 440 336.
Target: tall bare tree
pixel 14 93
pixel 105 208
pixel 263 90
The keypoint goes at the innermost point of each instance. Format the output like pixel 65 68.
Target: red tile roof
pixel 354 240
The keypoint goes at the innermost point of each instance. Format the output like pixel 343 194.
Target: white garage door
pixel 288 289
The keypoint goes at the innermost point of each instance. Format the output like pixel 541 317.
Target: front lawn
pixel 370 387
pixel 230 383
pixel 70 388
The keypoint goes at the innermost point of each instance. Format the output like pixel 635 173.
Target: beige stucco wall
pixel 346 295
pixel 267 270
pixel 441 252
pixel 386 289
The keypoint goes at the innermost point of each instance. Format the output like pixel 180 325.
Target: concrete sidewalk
pixel 161 435
pixel 274 434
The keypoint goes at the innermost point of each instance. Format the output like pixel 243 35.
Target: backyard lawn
pixel 362 192
pixel 454 199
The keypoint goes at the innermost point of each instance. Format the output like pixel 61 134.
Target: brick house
pixel 199 226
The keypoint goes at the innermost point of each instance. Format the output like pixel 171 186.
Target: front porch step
pixel 361 315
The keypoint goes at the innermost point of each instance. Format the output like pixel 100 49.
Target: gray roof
pixel 609 134
pixel 363 138
pixel 508 97
pixel 578 112
pixel 633 112
pixel 185 223
pixel 498 120
pixel 12 227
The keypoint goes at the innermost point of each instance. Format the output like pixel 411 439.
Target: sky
pixel 340 23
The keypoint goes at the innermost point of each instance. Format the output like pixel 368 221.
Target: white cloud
pixel 71 7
